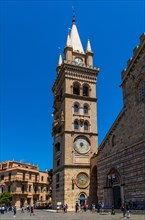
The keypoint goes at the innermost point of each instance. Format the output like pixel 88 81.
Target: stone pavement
pixel 44 215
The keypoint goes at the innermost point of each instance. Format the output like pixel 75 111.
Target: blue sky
pixel 30 34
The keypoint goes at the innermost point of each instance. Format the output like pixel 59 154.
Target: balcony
pixel 20 193
pixel 36 193
pixel 15 179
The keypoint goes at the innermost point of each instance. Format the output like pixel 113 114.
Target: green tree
pixel 5 198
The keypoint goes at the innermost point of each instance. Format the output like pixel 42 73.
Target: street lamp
pixel 73 183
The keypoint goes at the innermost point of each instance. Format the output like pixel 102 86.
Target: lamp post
pixel 73 183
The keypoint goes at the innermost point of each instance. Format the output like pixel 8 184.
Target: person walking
pixel 64 209
pixel 15 211
pixel 127 211
pixel 31 210
pixel 77 207
pixel 123 209
pixel 85 207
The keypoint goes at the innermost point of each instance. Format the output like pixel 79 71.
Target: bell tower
pixel 75 122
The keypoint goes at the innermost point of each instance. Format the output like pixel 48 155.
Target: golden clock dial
pixel 82 180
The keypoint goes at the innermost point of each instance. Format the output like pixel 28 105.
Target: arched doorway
pixel 82 198
pixel 112 190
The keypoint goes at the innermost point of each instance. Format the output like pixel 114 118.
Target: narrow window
pixel 113 141
pixel 9 188
pixel 57 147
pixel 35 189
pixel 86 109
pixel 76 125
pixel 9 176
pixel 76 89
pixel 76 108
pixel 86 126
pixel 58 162
pixel 29 188
pixel 57 177
pixel 42 178
pixel 23 188
pixel 2 177
pixel 141 91
pixel 85 91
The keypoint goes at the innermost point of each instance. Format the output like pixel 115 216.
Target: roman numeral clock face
pixel 81 145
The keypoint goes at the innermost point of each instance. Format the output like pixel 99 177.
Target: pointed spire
pixel 88 49
pixel 68 41
pixel 60 60
pixel 75 39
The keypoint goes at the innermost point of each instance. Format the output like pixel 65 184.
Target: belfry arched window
pixel 86 126
pixel 85 90
pixel 76 88
pixel 76 125
pixel 76 108
pixel 86 109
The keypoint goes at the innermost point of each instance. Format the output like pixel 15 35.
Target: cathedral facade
pixel 81 173
pixel 121 157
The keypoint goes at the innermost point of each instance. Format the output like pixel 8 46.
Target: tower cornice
pixel 71 68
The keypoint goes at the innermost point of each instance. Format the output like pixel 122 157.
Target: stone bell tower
pixel 75 122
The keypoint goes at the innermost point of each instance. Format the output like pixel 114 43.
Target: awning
pixel 82 198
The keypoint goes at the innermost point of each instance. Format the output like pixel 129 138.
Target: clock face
pixel 78 60
pixel 82 180
pixel 81 146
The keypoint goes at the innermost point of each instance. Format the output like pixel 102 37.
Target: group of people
pixel 30 209
pixel 92 208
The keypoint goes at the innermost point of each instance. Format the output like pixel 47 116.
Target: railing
pixel 13 179
pixel 20 192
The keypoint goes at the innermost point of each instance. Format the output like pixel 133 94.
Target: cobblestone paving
pixel 44 215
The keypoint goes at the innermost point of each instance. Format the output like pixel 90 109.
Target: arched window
pixel 58 162
pixel 9 188
pixel 141 91
pixel 76 88
pixel 113 140
pixel 57 147
pixel 85 90
pixel 86 126
pixel 76 125
pixel 86 109
pixel 76 108
pixel 9 176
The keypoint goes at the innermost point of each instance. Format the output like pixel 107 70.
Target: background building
pixel 75 122
pixel 25 182
pixel 121 157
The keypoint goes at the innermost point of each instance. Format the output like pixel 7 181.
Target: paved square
pixel 44 215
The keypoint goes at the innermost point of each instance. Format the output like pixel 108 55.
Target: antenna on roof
pixel 59 48
pixel 74 17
